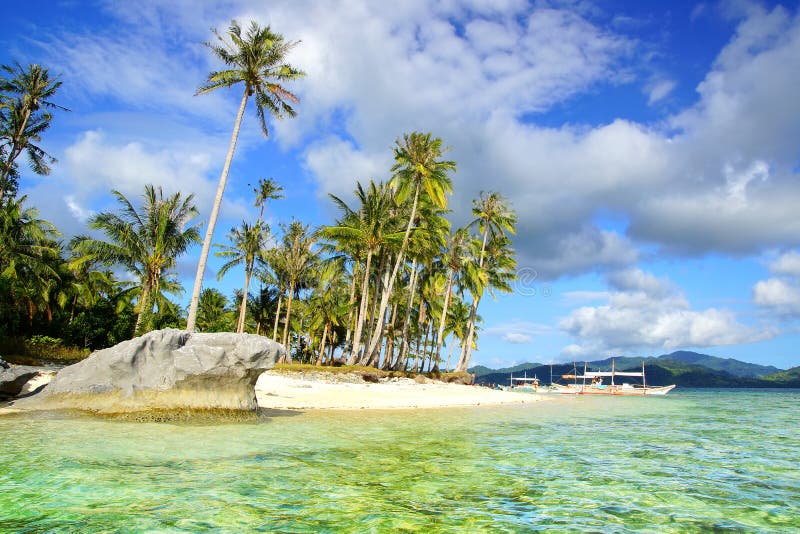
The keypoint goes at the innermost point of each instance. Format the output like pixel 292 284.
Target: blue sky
pixel 649 148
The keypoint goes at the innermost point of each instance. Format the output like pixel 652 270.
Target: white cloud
pixel 636 280
pixel 515 337
pixel 338 165
pixel 787 263
pixel 719 176
pixel 518 331
pixel 659 90
pixel 779 295
pixel 94 165
pixel 650 313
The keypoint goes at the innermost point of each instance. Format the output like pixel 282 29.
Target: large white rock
pixel 164 369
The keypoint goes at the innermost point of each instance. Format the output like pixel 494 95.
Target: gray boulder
pixel 164 369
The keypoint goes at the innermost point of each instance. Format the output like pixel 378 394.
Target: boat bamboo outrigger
pixel 596 386
pixel 524 382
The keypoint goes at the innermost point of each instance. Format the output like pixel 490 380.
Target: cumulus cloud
pixel 719 176
pixel 778 294
pixel 787 264
pixel 518 331
pixel 514 337
pixel 659 90
pixel 650 313
pixel 781 295
pixel 94 165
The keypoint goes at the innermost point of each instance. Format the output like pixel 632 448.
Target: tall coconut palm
pixel 247 245
pixel 12 137
pixel 268 189
pixel 299 262
pixel 425 245
pixel 146 242
pixel 418 166
pixel 367 228
pixel 453 261
pixel 494 217
pixel 27 90
pixel 328 303
pixel 255 59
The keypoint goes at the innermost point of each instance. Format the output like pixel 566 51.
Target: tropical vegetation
pixel 389 284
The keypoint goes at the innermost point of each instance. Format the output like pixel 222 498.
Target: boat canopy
pixel 593 374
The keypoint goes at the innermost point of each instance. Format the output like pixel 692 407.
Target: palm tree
pixel 367 228
pixel 255 59
pixel 417 166
pixel 11 136
pixel 453 260
pixel 494 217
pixel 267 190
pixel 29 90
pixel 328 303
pixel 146 242
pixel 299 262
pixel 29 257
pixel 248 243
pixel 213 315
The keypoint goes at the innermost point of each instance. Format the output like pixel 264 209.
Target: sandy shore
pixel 281 391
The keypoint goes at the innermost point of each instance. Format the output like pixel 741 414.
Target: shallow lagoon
pixel 694 460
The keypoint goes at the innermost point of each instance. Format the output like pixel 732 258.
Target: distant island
pixel 684 368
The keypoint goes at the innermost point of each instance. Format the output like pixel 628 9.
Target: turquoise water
pixel 691 461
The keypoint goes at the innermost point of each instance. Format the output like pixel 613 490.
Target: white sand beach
pixel 293 392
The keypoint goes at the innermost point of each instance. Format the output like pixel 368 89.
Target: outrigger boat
pixel 597 387
pixel 525 383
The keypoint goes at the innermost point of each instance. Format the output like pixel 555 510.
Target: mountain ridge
pixel 684 368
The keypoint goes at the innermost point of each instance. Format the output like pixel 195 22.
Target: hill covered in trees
pixel 684 368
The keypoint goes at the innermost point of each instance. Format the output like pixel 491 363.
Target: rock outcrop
pixel 13 378
pixel 163 370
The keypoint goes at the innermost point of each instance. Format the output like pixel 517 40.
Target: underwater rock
pixel 164 369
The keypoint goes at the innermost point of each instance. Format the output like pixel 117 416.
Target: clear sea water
pixel 696 460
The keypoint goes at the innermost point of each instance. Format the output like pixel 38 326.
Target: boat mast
pixel 644 380
pixel 584 376
pixel 613 369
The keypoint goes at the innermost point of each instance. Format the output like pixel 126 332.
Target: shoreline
pixel 291 391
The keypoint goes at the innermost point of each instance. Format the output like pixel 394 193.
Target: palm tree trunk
pixel 361 312
pixel 440 335
pixel 212 221
pixel 143 304
pixel 285 337
pixel 385 297
pixel 466 349
pixel 16 148
pixel 322 345
pixel 388 358
pixel 277 316
pixel 450 355
pixel 412 286
pixel 243 310
pixel 350 304
pixel 377 320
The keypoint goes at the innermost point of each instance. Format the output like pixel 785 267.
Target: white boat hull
pixel 628 391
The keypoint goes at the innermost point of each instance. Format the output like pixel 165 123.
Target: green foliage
pixel 39 349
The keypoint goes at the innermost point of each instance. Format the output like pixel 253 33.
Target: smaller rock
pixel 372 378
pixel 13 378
pixel 4 364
